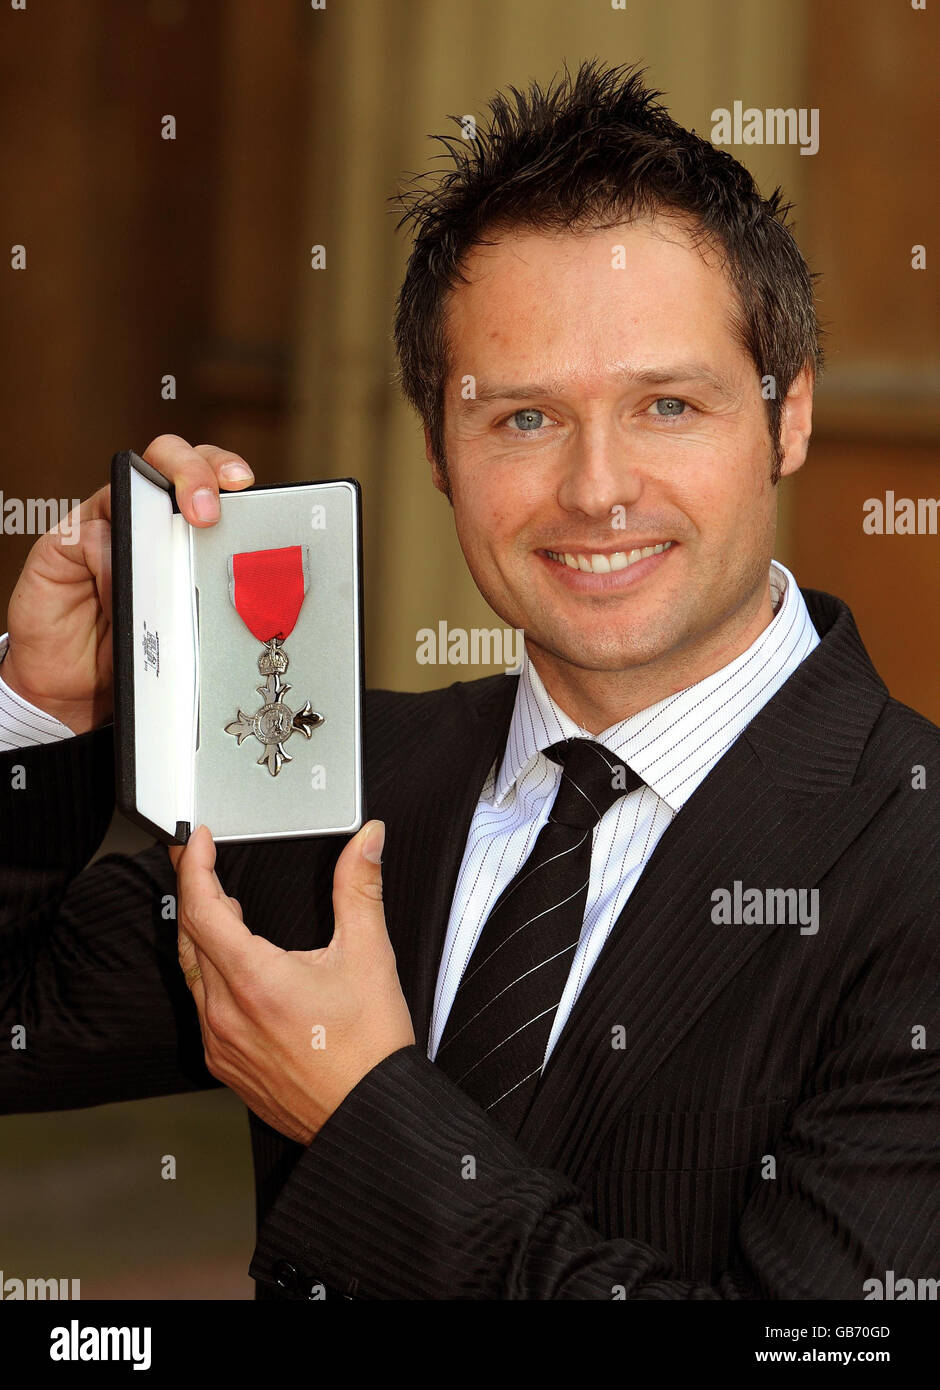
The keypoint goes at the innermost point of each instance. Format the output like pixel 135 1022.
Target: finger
pixel 70 528
pixel 95 552
pixel 230 469
pixel 216 928
pixel 76 548
pixel 357 891
pixel 193 476
pixel 175 853
pixel 97 507
pixel 197 488
pixel 195 865
pixel 70 535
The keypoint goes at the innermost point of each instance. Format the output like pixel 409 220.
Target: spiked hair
pixel 590 151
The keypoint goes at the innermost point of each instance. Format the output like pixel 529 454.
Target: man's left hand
pixel 292 1032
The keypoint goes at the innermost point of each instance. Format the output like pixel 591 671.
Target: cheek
pixel 480 522
pixel 488 508
pixel 724 484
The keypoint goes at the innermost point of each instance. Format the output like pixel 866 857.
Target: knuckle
pixel 45 543
pixel 162 443
pixel 216 458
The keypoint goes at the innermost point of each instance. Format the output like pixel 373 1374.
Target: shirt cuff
pixel 21 724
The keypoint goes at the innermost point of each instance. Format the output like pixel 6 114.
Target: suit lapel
pixel 428 826
pixel 776 811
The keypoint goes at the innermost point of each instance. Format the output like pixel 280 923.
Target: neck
pixel 596 700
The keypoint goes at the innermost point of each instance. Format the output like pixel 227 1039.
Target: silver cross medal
pixel 274 723
pixel 267 589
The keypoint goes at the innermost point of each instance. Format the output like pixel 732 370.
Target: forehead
pixel 546 302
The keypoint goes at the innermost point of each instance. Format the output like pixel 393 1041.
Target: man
pixel 643 1011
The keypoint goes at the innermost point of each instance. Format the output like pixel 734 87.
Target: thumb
pixel 357 888
pixel 195 868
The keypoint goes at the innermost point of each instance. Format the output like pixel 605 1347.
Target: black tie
pixel 494 1041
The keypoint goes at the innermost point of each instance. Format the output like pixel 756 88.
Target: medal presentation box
pixel 238 664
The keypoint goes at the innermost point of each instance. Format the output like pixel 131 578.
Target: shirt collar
pixel 674 744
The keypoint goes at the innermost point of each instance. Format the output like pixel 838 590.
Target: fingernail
pixel 234 472
pixel 205 504
pixel 374 841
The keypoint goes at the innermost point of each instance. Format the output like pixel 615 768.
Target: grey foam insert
pixel 235 797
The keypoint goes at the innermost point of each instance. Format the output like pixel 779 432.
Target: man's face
pixel 599 406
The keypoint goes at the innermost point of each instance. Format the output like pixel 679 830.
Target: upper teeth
pixel 603 564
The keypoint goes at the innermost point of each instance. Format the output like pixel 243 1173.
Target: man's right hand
pixel 59 618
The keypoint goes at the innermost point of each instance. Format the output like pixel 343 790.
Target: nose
pixel 599 473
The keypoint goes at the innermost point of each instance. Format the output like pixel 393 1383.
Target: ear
pixel 796 422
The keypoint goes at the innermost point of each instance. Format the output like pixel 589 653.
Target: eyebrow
pixel 646 376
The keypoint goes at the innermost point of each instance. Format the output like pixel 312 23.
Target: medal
pixel 268 588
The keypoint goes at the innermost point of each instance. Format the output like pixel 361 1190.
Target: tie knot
pixel 592 780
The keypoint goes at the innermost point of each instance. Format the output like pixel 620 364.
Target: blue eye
pixel 527 419
pixel 670 407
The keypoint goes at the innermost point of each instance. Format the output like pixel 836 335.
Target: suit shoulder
pixel 903 730
pixel 393 718
pixel 409 704
pixel 381 705
pixel 904 752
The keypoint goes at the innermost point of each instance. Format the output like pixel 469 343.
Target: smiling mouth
pixel 599 563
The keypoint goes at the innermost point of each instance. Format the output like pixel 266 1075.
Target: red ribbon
pixel 269 590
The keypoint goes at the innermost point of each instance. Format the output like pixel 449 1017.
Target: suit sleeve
pixel 409 1191
pixel 93 1006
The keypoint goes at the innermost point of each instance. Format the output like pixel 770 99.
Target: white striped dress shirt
pixel 21 724
pixel 673 746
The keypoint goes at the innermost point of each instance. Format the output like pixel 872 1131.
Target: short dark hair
pixel 594 151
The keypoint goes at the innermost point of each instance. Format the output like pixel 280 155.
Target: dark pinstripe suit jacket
pixel 767 1127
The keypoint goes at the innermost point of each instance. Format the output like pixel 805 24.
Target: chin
pixel 611 654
